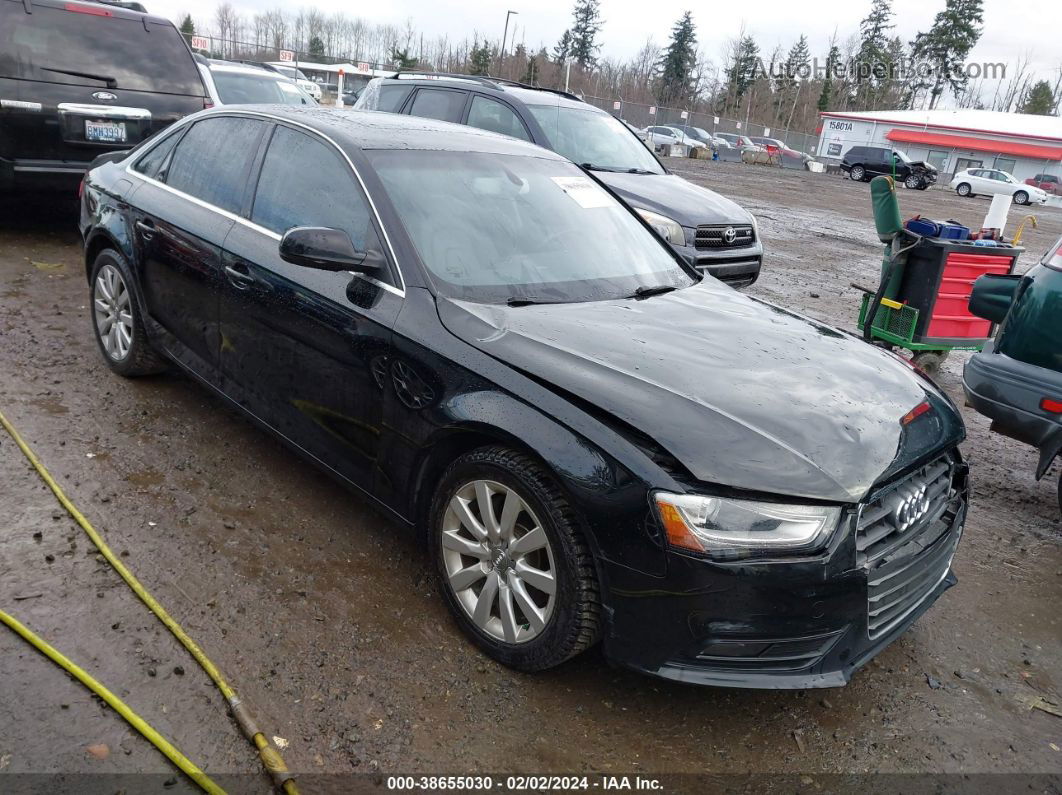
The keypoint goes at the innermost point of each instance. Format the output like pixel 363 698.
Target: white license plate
pixel 106 131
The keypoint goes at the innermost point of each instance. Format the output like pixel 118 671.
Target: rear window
pixel 51 44
pixel 212 160
pixel 245 88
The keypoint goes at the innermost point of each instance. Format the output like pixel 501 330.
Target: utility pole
pixel 505 35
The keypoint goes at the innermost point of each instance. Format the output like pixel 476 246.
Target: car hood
pixel 667 194
pixel 742 393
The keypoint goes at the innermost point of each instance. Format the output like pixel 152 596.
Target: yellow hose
pixel 138 723
pixel 269 755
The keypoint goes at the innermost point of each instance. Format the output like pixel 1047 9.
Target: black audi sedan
pixel 596 442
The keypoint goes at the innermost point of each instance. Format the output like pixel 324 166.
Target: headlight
pixel 670 230
pixel 727 528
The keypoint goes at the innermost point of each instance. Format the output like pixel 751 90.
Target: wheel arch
pixel 101 238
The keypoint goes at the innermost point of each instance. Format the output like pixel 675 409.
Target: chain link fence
pixel 642 115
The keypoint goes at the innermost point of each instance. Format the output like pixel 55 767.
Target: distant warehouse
pixel 952 140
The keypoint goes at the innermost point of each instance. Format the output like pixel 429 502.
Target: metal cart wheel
pixel 929 362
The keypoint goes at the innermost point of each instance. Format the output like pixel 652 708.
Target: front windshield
pixel 495 228
pixel 595 138
pixel 245 88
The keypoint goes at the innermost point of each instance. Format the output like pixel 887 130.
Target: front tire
pixel 1021 197
pixel 913 183
pixel 963 189
pixel 512 563
pixel 857 173
pixel 116 320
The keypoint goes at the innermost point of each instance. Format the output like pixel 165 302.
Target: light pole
pixel 505 35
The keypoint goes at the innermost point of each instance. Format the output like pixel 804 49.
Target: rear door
pixel 184 210
pixel 77 79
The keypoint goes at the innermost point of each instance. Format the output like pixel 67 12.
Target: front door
pixel 300 346
pixel 180 232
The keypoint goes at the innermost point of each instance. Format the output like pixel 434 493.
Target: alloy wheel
pixel 113 312
pixel 499 562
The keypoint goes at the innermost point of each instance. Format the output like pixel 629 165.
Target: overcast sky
pixel 1013 28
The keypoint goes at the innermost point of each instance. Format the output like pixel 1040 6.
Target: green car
pixel 1016 381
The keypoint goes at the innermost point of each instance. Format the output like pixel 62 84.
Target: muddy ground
pixel 320 612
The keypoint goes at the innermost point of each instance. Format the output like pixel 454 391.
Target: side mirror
pixel 992 296
pixel 327 249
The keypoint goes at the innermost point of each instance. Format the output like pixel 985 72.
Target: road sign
pixel 766 131
pixel 363 66
pixel 652 110
pixel 617 105
pixel 287 55
pixel 200 43
pixel 685 114
pixel 737 124
pixel 715 119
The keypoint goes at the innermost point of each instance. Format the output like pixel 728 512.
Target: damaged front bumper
pixel 793 624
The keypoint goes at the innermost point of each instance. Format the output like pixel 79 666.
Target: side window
pixel 152 162
pixel 212 160
pixel 304 182
pixel 489 114
pixel 439 103
pixel 392 96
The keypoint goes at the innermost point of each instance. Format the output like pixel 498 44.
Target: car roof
pixel 114 10
pixel 216 65
pixel 366 129
pixel 529 95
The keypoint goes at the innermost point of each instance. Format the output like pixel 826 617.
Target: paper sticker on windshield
pixel 585 193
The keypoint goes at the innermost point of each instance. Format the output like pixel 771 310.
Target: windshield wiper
pixel 521 301
pixel 592 167
pixel 659 289
pixel 109 81
pixel 639 171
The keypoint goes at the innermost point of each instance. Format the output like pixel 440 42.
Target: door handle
pixel 239 276
pixel 146 229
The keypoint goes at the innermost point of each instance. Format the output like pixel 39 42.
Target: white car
pixel 232 83
pixel 991 181
pixel 307 85
pixel 661 135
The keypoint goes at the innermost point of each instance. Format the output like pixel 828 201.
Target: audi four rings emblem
pixel 729 235
pixel 912 507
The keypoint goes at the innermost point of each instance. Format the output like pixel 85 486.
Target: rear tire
pixel 963 189
pixel 1021 197
pixel 117 323
pixel 466 556
pixel 857 173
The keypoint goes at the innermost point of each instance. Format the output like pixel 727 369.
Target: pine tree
pixel 586 18
pixel 1039 101
pixel 563 48
pixel 479 59
pixel 943 49
pixel 871 60
pixel 531 73
pixel 679 60
pixel 833 58
pixel 741 73
pixel 187 26
pixel 402 59
pixel 317 48
pixel 794 68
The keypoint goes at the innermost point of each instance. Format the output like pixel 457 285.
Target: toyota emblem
pixel 104 96
pixel 729 235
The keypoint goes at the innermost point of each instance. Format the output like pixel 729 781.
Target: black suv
pixel 710 232
pixel 78 79
pixel 863 163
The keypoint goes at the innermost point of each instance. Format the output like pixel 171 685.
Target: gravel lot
pixel 322 615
